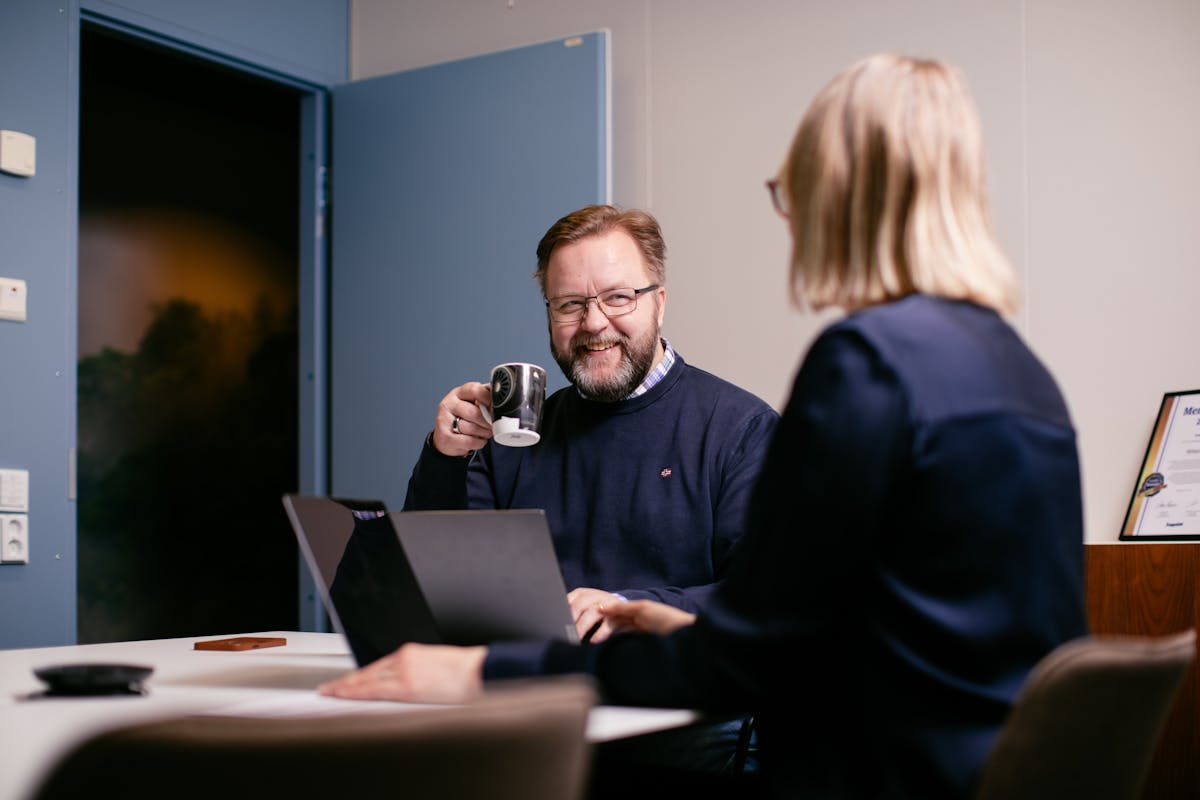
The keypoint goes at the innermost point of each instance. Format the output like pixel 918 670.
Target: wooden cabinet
pixel 1153 589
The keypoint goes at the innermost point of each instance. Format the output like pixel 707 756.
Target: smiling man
pixel 645 464
pixel 603 347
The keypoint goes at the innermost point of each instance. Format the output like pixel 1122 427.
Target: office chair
pixel 525 742
pixel 1087 720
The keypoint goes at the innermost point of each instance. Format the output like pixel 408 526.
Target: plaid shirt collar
pixel 658 373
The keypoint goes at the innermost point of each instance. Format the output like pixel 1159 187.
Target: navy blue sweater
pixel 914 547
pixel 645 497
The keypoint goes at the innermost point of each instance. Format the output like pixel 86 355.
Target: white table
pixel 275 681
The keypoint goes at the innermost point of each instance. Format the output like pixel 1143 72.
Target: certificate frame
pixel 1165 505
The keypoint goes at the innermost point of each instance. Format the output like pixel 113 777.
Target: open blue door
pixel 443 181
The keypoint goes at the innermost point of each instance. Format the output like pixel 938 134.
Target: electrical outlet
pixel 14 539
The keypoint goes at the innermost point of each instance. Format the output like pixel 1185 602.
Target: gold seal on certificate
pixel 1166 499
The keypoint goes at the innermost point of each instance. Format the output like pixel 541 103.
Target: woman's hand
pixel 646 616
pixel 416 673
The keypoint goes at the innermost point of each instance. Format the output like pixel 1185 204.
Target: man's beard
pixel 637 356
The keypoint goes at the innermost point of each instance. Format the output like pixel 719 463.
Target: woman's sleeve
pixel 820 510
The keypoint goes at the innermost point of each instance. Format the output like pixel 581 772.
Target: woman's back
pixel 918 547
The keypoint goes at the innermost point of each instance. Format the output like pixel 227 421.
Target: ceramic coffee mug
pixel 518 390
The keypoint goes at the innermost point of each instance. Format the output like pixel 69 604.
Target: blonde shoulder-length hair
pixel 885 179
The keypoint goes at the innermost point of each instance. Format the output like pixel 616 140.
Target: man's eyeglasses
pixel 612 303
pixel 779 198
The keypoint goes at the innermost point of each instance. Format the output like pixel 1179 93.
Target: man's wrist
pixel 433 449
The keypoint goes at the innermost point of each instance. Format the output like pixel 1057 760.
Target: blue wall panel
pixel 302 40
pixel 38 96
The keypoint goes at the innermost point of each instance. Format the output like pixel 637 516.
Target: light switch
pixel 18 153
pixel 14 490
pixel 14 538
pixel 12 299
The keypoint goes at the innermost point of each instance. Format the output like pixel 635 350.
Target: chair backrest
pixel 525 742
pixel 1087 720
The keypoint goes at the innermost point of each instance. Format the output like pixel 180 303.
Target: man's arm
pixel 439 480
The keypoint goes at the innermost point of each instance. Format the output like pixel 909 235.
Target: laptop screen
pixel 364 577
pixel 454 577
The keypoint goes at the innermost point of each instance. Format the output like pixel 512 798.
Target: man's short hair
pixel 597 220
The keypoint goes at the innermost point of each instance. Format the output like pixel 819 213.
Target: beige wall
pixel 1091 110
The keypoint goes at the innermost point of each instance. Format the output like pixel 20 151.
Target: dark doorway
pixel 188 344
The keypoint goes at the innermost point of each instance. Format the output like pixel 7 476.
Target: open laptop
pixel 450 577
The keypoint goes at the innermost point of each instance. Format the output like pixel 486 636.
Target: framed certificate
pixel 1166 499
